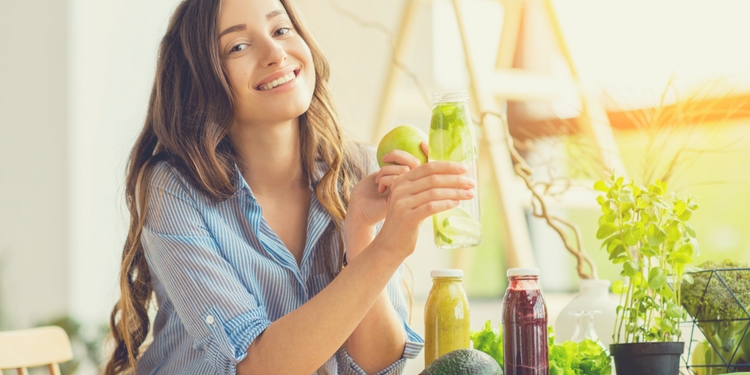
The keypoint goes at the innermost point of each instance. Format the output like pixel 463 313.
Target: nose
pixel 274 54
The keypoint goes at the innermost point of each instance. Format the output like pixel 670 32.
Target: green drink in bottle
pixel 452 139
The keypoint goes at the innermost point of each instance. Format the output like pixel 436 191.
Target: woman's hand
pixel 418 194
pixel 368 202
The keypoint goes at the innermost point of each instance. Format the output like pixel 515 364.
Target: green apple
pixel 406 138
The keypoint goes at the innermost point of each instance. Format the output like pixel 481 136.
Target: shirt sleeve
pixel 218 312
pixel 414 343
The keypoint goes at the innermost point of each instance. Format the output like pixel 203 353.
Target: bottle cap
pixel 522 272
pixel 447 273
pixel 448 96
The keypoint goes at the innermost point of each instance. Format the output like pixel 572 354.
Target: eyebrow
pixel 243 26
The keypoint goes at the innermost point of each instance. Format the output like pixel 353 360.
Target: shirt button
pixel 209 319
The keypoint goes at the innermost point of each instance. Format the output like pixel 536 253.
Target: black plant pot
pixel 647 358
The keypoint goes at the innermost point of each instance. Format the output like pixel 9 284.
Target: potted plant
pixel 649 236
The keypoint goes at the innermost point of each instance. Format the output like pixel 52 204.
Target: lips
pixel 278 78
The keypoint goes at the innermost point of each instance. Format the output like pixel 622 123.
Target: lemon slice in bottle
pixel 457 225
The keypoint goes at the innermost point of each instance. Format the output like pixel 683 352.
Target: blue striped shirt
pixel 221 276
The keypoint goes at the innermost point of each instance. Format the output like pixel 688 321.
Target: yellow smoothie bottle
pixel 446 315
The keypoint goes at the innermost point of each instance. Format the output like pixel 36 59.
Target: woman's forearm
pixel 378 341
pixel 301 341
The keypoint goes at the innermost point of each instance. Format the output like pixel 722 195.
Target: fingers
pixel 434 207
pixel 431 196
pixel 395 170
pixel 385 183
pixel 454 181
pixel 437 167
pixel 401 157
pixel 426 149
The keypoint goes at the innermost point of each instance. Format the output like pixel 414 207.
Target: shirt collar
pixel 314 177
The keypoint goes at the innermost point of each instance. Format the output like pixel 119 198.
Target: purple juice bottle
pixel 524 324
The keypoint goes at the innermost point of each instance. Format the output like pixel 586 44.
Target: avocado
pixel 464 362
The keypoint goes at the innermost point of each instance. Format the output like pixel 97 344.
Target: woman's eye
pixel 282 31
pixel 238 48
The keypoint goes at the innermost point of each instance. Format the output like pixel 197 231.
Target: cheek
pixel 238 76
pixel 308 60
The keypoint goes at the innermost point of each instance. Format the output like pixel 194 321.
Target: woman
pixel 243 196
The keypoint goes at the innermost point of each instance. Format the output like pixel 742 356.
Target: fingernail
pixel 463 168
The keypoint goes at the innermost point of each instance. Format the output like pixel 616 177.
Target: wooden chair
pixel 44 346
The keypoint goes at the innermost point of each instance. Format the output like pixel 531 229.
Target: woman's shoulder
pixel 165 173
pixel 166 176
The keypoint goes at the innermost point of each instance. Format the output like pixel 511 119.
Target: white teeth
pixel 278 82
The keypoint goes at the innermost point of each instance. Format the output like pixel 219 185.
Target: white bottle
pixel 592 296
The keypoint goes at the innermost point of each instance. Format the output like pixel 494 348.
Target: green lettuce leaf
pixel 489 341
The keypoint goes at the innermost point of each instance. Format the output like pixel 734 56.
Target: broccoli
pixel 722 319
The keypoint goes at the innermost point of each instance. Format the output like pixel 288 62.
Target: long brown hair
pixel 187 124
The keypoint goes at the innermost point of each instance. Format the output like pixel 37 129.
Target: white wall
pixel 113 46
pixel 34 226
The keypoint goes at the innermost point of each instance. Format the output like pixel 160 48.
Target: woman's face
pixel 269 66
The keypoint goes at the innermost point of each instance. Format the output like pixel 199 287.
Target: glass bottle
pixel 446 315
pixel 452 139
pixel 524 324
pixel 593 296
pixel 585 328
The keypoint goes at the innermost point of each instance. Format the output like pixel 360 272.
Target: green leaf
pixel 658 202
pixel 657 279
pixel 605 231
pixel 648 251
pixel 674 311
pixel 674 232
pixel 656 188
pixel 686 250
pixel 633 235
pixel 677 259
pixel 618 287
pixel 642 202
pixel 616 252
pixel 615 241
pixel 666 293
pixel 601 200
pixel 627 198
pixel 696 247
pixel 489 341
pixel 611 242
pixel 666 326
pixel 656 235
pixel 601 186
pixel 679 207
pixel 638 280
pixel 689 230
pixel 685 216
pixel 663 185
pixel 620 259
pixel 629 269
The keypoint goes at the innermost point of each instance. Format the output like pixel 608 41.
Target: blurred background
pixel 75 77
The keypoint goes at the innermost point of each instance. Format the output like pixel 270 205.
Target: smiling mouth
pixel 279 81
